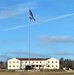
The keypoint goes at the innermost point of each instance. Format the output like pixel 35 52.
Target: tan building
pixel 35 63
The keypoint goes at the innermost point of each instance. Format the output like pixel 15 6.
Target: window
pixel 36 65
pixel 13 65
pixel 40 66
pixel 48 62
pixel 40 61
pixel 56 61
pixel 25 61
pixel 33 62
pixel 17 65
pixel 17 61
pixel 56 65
pixel 9 65
pixel 48 65
pixel 13 61
pixel 52 65
pixel 37 62
pixel 52 61
pixel 9 61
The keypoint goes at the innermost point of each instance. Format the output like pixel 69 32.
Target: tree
pixel 67 63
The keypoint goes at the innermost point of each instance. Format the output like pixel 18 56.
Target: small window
pixel 13 65
pixel 17 65
pixel 40 66
pixel 13 61
pixel 10 66
pixel 9 61
pixel 52 61
pixel 36 65
pixel 48 65
pixel 40 61
pixel 25 61
pixel 37 62
pixel 52 65
pixel 56 61
pixel 48 62
pixel 33 62
pixel 56 66
pixel 17 61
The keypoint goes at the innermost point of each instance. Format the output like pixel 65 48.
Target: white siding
pixel 52 63
pixel 13 63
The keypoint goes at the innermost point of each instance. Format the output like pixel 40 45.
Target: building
pixel 13 63
pixel 34 63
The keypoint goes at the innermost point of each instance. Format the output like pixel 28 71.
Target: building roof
pixel 33 58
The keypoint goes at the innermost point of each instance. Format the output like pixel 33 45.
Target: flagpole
pixel 28 35
pixel 43 66
pixel 30 15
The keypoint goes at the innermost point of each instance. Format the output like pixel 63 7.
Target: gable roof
pixel 12 59
pixel 33 58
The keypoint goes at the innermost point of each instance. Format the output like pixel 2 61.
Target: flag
pixel 31 15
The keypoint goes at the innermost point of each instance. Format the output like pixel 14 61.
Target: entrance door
pixel 28 67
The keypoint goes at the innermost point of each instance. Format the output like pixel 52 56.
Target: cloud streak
pixel 56 39
pixel 11 12
pixel 4 57
pixel 22 53
pixel 47 20
pixel 15 10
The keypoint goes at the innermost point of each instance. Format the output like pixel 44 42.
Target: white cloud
pixel 15 10
pixel 8 13
pixel 56 39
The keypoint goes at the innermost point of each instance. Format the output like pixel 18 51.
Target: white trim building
pixel 35 63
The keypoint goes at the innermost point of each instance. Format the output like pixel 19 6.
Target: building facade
pixel 13 64
pixel 35 63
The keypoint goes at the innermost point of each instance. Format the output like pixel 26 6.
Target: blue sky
pixel 51 35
